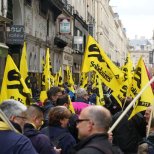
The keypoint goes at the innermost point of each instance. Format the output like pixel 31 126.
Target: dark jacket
pixel 129 133
pixel 14 143
pixel 40 141
pixel 66 143
pixel 151 137
pixel 84 146
pixel 47 106
pixel 72 126
pixel 146 145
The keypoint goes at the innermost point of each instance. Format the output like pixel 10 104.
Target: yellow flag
pixel 24 67
pixel 71 108
pixel 96 59
pixel 47 78
pixel 69 79
pixel 124 89
pixel 140 79
pixel 83 80
pixel 60 78
pixel 13 85
pixel 56 79
pixel 100 95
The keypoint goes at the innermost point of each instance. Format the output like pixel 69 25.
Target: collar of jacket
pixel 4 126
pixel 85 141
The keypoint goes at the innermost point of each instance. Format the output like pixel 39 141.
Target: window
pixel 28 2
pixel 43 7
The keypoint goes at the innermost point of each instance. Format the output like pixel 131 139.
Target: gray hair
pixel 80 92
pixel 100 116
pixel 12 107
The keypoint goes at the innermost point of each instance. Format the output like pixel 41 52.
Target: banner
pixel 96 59
pixel 47 78
pixel 83 80
pixel 140 79
pixel 13 85
pixel 124 89
pixel 70 79
pixel 24 67
pixel 100 95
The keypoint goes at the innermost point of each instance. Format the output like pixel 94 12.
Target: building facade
pixel 141 47
pixel 62 26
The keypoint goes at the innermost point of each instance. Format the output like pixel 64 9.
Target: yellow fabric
pixel 83 80
pixel 13 85
pixel 140 79
pixel 70 79
pixel 24 67
pixel 47 78
pixel 4 126
pixel 100 95
pixel 124 89
pixel 71 108
pixel 96 59
pixel 60 78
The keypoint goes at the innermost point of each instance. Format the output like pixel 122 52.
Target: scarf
pixel 4 126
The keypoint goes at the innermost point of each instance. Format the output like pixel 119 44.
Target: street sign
pixel 15 35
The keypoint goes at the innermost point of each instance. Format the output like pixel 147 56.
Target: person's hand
pixel 110 137
pixel 58 151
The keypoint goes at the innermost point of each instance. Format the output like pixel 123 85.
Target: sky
pixel 137 16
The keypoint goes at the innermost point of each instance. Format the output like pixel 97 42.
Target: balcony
pixel 57 7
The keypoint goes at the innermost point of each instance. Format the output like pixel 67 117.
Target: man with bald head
pixel 92 125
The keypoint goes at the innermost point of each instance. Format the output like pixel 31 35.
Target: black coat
pixel 40 141
pixel 84 146
pixel 129 133
pixel 65 143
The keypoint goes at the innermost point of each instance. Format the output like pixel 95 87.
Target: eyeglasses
pixel 80 120
pixel 24 118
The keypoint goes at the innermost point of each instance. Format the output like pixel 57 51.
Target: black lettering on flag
pixel 123 90
pixel 94 48
pixel 138 79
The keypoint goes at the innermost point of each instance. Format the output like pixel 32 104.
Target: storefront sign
pixel 15 35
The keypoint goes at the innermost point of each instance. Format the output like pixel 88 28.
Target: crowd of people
pixel 51 128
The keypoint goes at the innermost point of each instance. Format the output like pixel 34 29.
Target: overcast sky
pixel 137 16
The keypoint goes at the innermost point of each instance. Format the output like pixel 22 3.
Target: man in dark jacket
pixel 53 94
pixel 129 133
pixel 93 124
pixel 34 121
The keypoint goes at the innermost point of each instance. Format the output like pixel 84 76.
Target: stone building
pixel 140 47
pixel 63 26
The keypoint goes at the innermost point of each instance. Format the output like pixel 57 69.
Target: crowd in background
pixel 50 127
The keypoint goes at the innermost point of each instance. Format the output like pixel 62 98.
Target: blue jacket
pixel 14 143
pixel 40 141
pixel 66 143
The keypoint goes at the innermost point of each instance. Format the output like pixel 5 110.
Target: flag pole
pixel 130 105
pixel 149 122
pixel 6 120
